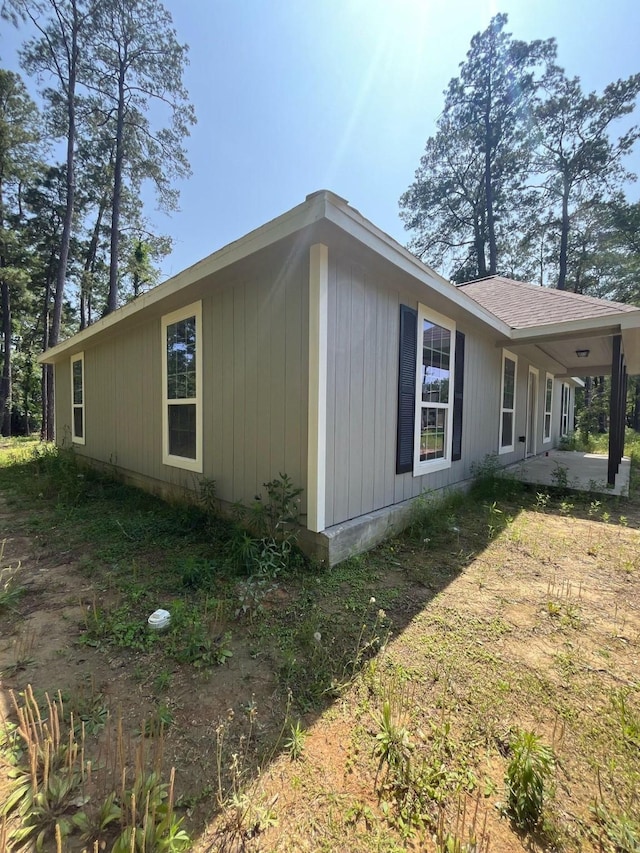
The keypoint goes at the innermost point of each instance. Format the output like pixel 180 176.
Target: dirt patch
pixel 534 626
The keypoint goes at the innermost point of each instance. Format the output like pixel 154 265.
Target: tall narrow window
pixel 564 409
pixel 77 398
pixel 434 391
pixel 508 402
pixel 182 381
pixel 548 404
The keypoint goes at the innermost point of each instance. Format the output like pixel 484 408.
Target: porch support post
pixel 317 426
pixel 616 411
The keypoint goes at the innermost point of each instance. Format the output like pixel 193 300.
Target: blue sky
pixel 298 95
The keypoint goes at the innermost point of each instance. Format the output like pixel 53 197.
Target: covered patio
pixel 583 472
pixel 573 336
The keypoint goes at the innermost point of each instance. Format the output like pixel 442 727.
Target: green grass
pixel 410 665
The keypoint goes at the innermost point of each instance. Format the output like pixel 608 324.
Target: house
pixel 318 346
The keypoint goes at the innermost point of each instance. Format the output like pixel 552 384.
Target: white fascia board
pixel 353 223
pixel 296 219
pixel 623 319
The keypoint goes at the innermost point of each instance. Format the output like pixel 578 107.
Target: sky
pixel 293 96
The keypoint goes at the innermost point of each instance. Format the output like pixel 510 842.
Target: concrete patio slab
pixel 584 472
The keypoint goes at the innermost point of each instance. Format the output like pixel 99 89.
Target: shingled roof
pixel 521 305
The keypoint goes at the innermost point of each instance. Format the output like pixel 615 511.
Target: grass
pixel 372 706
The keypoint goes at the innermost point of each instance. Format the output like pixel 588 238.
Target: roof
pixel 521 305
pixel 322 205
pixel 516 312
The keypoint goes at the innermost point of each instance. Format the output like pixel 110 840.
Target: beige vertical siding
pixel 362 381
pixel 255 369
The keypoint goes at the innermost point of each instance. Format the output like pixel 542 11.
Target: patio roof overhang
pixel 559 347
pixel 594 346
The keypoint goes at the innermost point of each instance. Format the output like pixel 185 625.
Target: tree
pixel 55 54
pixel 19 137
pixel 579 161
pixel 139 62
pixel 487 120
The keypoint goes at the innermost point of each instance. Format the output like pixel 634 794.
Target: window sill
pixel 183 462
pixel 422 468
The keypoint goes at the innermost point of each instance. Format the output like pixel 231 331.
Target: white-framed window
pixel 182 388
pixel 548 408
pixel 77 399
pixel 565 393
pixel 434 391
pixel 508 402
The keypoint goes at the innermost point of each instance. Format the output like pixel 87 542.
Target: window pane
pixel 507 429
pixel 432 433
pixel 182 430
pixel 436 358
pixel 549 395
pixel 78 422
pixel 509 384
pixel 77 382
pixel 181 359
pixel 547 426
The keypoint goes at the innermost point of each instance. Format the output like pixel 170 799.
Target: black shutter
pixel 458 390
pixel 406 389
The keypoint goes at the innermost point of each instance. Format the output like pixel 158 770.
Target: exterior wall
pixel 362 396
pixel 255 376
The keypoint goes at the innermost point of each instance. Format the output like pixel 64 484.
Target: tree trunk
pixel 47 371
pixel 488 178
pixel 564 235
pixel 89 267
pixel 5 379
pixel 54 332
pixel 112 302
pixel 480 248
pixel 5 303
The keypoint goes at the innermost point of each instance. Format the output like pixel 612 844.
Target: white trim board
pixel 317 426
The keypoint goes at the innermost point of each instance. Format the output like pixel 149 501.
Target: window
pixel 548 403
pixel 434 392
pixel 77 398
pixel 508 400
pixel 564 409
pixel 182 383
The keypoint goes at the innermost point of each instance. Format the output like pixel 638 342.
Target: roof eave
pixel 299 217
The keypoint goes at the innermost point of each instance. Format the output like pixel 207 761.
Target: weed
pixel 162 681
pixel 208 495
pixel 529 771
pixel 560 477
pixel 197 572
pixel 491 481
pixel 10 593
pixel 542 501
pixel 294 744
pixel 151 823
pixel 466 835
pixel 494 513
pixel 158 722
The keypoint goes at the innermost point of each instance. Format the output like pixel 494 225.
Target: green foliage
pixel 621 830
pixel 151 823
pixel 198 572
pixel 10 592
pixel 529 772
pixel 294 744
pixel 491 481
pixel 120 627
